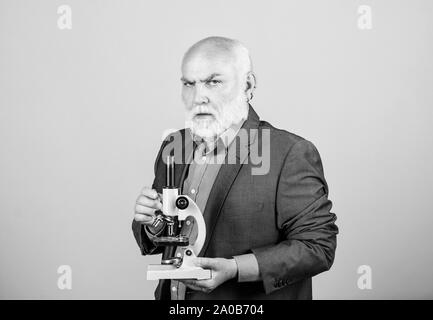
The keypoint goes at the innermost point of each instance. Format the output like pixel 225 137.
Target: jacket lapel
pixel 226 176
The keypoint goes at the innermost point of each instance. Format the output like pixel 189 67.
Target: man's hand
pixel 222 270
pixel 145 206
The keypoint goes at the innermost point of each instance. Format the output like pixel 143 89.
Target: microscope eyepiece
pixel 170 171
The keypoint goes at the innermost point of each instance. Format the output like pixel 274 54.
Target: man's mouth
pixel 203 115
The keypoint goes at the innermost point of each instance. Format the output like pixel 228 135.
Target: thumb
pixel 206 263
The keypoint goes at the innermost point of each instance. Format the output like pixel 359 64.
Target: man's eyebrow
pixel 183 79
pixel 213 75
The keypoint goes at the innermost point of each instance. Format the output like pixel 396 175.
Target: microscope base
pixel 160 271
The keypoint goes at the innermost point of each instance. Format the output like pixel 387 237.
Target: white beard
pixel 209 129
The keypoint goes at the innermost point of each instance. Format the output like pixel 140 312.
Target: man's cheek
pixel 230 93
pixel 186 98
pixel 226 98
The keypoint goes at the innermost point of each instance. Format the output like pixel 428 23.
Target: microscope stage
pixel 161 271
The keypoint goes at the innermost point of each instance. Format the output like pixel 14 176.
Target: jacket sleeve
pixel 304 219
pixel 142 237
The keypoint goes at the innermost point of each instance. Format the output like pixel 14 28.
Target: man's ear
pixel 251 85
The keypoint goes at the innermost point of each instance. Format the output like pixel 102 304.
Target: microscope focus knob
pixel 182 203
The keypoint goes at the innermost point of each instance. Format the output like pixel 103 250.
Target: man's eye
pixel 188 84
pixel 213 82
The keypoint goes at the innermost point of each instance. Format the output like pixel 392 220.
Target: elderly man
pixel 267 233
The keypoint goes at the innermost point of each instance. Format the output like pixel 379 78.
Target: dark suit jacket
pixel 283 217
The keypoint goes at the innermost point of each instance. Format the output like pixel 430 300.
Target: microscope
pixel 182 237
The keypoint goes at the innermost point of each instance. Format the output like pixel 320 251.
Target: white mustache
pixel 203 111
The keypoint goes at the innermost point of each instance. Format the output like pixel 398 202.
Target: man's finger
pixel 206 263
pixel 197 283
pixel 151 193
pixel 194 284
pixel 148 202
pixel 188 281
pixel 143 218
pixel 144 210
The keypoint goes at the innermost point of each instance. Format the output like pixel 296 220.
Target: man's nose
pixel 200 96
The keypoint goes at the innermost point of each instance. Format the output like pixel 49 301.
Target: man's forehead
pixel 202 65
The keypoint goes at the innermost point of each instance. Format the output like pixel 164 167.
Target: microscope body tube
pixel 169 196
pixel 170 192
pixel 169 208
